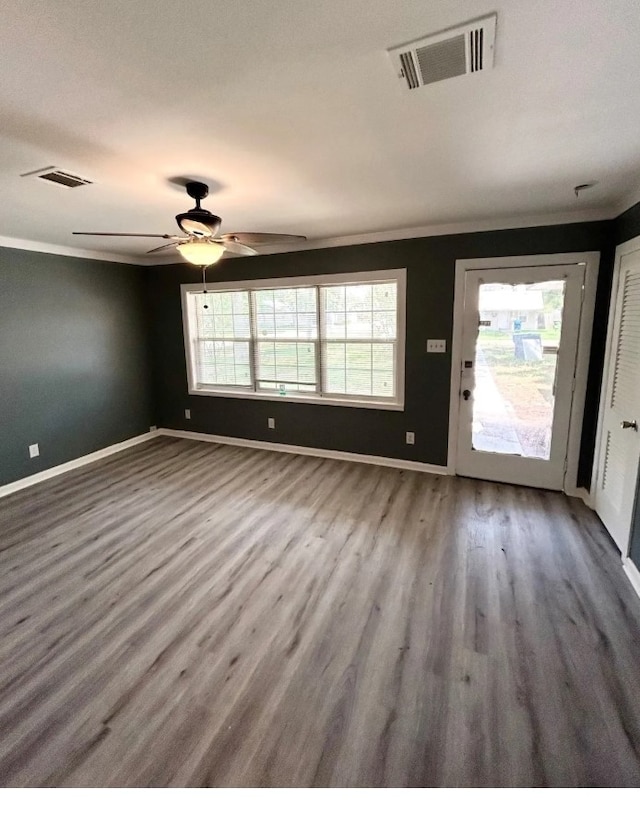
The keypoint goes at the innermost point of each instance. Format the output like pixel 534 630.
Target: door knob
pixel 630 425
pixel 466 394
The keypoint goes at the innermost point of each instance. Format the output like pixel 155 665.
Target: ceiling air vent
pixel 465 49
pixel 57 176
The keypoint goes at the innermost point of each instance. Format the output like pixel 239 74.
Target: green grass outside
pixel 519 380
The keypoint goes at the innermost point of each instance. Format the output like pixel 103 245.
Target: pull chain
pixel 204 283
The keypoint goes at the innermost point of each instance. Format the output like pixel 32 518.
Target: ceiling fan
pixel 200 244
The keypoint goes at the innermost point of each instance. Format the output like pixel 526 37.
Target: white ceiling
pixel 292 109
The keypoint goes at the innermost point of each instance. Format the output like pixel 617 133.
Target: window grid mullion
pixel 319 352
pixel 360 341
pixel 253 343
pixel 284 341
pixel 395 369
pixel 244 340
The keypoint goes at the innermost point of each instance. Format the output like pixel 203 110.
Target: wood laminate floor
pixel 185 613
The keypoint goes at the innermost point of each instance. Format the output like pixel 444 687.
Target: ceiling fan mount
pixel 199 243
pixel 197 190
pixel 198 222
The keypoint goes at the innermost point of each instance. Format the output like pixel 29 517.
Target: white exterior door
pixel 517 376
pixel 619 439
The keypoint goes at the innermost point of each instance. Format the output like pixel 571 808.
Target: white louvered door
pixel 619 452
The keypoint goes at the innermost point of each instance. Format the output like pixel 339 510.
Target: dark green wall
pixel 74 348
pixel 92 353
pixel 74 362
pixel 430 264
pixel 626 227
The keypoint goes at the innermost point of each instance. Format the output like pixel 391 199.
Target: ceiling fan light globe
pixel 201 252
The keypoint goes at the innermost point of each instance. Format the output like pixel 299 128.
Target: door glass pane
pixel 515 367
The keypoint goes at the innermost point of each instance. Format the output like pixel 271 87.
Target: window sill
pixel 301 399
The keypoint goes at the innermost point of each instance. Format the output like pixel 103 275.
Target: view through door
pixel 518 365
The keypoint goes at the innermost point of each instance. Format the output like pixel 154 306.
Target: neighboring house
pixel 503 308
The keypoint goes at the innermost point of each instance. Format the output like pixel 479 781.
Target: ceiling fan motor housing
pixel 199 223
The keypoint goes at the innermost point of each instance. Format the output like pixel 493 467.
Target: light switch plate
pixel 436 345
pixel 34 450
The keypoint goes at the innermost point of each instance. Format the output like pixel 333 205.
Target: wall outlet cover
pixel 187 414
pixel 411 438
pixel 34 450
pixel 271 423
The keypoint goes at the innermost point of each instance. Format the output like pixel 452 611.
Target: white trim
pixel 456 365
pixel 397 275
pixel 67 251
pixel 301 398
pixel 591 274
pixel 25 482
pixel 434 230
pixel 445 229
pixel 633 574
pixel 591 260
pixel 331 454
pixel 582 494
pixel 309 281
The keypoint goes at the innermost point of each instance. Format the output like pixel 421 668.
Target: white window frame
pixel 397 275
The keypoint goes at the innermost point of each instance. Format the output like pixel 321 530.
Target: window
pixel 333 339
pixel 222 331
pixel 286 339
pixel 359 339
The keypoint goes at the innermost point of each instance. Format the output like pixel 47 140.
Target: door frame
pixel 591 262
pixel 628 247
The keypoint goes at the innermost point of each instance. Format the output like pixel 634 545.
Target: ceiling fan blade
pixel 258 238
pixel 166 246
pixel 127 234
pixel 235 247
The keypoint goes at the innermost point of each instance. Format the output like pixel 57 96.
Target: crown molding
pixel 67 251
pixel 442 230
pixel 436 230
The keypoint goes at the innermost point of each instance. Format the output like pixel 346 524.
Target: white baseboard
pixel 353 457
pixel 25 482
pixel 581 494
pixel 633 574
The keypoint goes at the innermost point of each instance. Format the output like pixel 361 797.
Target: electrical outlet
pixel 153 428
pixel 411 438
pixel 187 414
pixel 436 345
pixel 271 423
pixel 34 450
